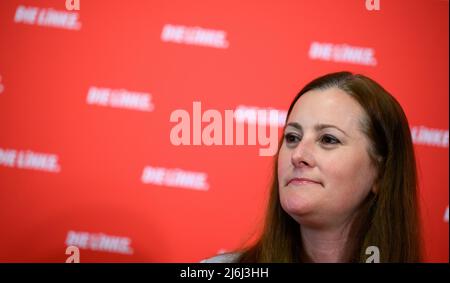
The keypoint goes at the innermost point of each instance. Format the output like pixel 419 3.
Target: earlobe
pixel 374 189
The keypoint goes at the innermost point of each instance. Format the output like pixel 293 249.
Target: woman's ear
pixel 376 186
pixel 379 166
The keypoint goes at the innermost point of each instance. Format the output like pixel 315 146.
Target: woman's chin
pixel 296 207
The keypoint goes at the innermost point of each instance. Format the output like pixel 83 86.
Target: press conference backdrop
pixel 86 95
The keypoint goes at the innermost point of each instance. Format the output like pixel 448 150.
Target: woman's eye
pixel 327 139
pixel 291 138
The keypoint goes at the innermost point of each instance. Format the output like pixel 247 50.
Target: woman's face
pixel 324 169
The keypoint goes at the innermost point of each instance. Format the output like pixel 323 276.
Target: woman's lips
pixel 302 181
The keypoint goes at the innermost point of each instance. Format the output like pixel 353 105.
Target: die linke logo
pixel 96 242
pixel 342 53
pixel 429 136
pixel 120 98
pixel 27 159
pixel 446 215
pixel 175 177
pixel 2 87
pixel 73 5
pixel 212 134
pixel 47 17
pixel 194 36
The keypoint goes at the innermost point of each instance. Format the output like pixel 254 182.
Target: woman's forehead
pixel 331 106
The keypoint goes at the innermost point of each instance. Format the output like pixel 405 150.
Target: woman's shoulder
pixel 223 258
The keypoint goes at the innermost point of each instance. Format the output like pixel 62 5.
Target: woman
pixel 345 179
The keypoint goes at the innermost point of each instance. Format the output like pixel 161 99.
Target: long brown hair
pixel 387 219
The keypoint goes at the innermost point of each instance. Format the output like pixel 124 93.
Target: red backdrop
pixel 86 97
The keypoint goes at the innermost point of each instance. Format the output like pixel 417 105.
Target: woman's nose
pixel 302 154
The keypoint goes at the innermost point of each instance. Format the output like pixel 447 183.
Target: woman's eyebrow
pixel 294 125
pixel 320 127
pixel 317 127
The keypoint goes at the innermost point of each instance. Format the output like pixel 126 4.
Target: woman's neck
pixel 326 244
